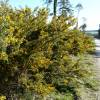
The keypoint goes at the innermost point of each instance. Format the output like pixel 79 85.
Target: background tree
pixel 79 7
pixel 83 26
pixel 54 5
pixel 64 6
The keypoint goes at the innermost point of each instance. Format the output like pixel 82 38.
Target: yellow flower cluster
pixel 0 18
pixel 11 29
pixel 43 89
pixel 3 55
pixel 50 87
pixel 11 39
pixel 65 81
pixel 2 97
pixel 8 18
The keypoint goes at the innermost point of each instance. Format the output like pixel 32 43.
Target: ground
pixel 96 95
pixel 97 58
pixel 91 95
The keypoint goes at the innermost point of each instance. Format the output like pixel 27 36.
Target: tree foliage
pixel 41 57
pixel 62 7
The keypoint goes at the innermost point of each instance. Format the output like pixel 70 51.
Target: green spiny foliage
pixel 41 57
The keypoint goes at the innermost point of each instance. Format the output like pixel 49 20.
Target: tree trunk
pixel 55 7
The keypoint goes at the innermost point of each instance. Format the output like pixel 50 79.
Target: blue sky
pixel 90 10
pixel 29 3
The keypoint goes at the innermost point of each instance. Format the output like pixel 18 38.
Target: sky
pixel 90 10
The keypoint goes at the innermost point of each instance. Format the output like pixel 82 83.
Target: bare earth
pixel 97 57
pixel 91 95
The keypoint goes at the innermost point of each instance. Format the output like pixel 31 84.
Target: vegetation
pixel 65 7
pixel 40 59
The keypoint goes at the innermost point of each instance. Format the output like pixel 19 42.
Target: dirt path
pixel 97 57
pixel 90 95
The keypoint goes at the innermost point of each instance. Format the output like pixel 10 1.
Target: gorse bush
pixel 42 58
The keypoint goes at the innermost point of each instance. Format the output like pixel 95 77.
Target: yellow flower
pixel 8 17
pixel 11 29
pixel 21 15
pixel 51 88
pixel 2 98
pixel 65 57
pixel 42 61
pixel 0 18
pixel 65 81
